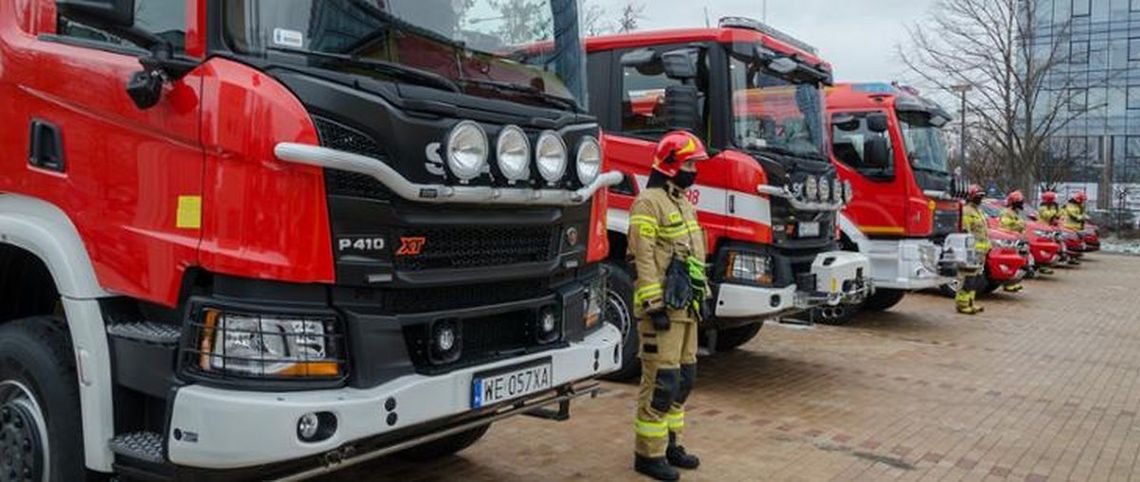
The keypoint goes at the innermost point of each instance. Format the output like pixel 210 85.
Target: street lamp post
pixel 962 89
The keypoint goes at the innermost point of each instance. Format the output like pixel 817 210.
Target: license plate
pixel 809 230
pixel 510 383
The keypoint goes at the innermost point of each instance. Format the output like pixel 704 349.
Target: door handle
pixel 45 150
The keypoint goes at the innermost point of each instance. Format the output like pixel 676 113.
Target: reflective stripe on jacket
pixel 1011 220
pixel 974 222
pixel 661 224
pixel 1048 213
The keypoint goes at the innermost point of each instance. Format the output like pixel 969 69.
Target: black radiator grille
pixel 477 246
pixel 425 300
pixel 341 183
pixel 945 222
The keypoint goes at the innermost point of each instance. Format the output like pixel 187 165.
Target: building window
pixel 1079 99
pixel 1082 8
pixel 1134 47
pixel 1134 97
pixel 162 18
pixel 1134 5
pixel 1079 52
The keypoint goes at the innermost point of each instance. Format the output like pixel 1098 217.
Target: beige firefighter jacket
pixel 662 224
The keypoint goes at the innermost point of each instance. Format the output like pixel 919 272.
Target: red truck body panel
pixel 892 208
pixel 202 156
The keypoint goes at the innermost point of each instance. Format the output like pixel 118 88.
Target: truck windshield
pixel 925 146
pixel 527 51
pixel 773 112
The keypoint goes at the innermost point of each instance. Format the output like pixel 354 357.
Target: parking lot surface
pixel 1044 386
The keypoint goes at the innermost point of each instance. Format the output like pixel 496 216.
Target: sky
pixel 858 37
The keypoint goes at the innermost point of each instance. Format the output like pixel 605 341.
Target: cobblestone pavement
pixel 1043 386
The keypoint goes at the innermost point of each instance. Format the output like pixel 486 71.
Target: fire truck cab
pixel 272 238
pixel 768 197
pixel 905 216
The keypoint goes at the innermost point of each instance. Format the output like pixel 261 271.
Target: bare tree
pixel 631 16
pixel 1023 93
pixel 594 21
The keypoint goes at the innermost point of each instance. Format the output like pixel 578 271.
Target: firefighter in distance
pixel 969 281
pixel 1049 212
pixel 667 246
pixel 1012 220
pixel 1074 211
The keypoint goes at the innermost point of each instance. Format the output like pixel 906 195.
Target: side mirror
pixel 877 123
pixel 638 58
pixel 680 64
pixel 110 14
pixel 682 107
pixel 876 153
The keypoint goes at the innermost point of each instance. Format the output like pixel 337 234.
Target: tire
pixel 732 338
pixel 446 446
pixel 619 312
pixel 884 299
pixel 834 315
pixel 39 401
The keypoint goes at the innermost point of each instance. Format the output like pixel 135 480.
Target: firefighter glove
pixel 678 285
pixel 660 320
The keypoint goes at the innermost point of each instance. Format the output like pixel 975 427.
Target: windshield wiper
pixel 391 69
pixel 784 151
pixel 528 90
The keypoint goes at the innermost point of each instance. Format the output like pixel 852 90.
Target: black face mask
pixel 685 179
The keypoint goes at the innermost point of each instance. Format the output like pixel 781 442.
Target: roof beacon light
pixel 753 24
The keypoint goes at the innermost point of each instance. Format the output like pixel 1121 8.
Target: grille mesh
pixel 479 246
pixel 341 183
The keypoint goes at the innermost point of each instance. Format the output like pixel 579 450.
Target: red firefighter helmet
pixel 1049 197
pixel 675 149
pixel 975 193
pixel 1080 197
pixel 1013 198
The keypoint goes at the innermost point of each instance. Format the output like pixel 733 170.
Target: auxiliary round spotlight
pixel 513 153
pixel 550 155
pixel 824 189
pixel 589 163
pixel 811 188
pixel 467 150
pixel 308 426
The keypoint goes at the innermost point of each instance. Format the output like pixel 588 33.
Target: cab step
pixel 140 446
pixel 146 332
pixel 145 355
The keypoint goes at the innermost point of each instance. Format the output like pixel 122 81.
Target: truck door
pixel 129 179
pixel 641 124
pixel 879 207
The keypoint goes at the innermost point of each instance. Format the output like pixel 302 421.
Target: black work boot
pixel 656 468
pixel 677 456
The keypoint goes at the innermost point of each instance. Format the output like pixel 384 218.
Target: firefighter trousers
pixel 969 282
pixel 668 371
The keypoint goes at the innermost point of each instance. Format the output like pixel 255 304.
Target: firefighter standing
pixel 1011 220
pixel 970 280
pixel 1049 213
pixel 668 250
pixel 1074 211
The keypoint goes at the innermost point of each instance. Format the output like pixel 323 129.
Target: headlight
pixel 1006 243
pixel 589 161
pixel 750 267
pixel 824 190
pixel 848 192
pixel 513 153
pixel 269 346
pixel 467 150
pixel 550 155
pixel 1042 233
pixel 811 188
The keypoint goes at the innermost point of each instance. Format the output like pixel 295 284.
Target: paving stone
pixel 1044 386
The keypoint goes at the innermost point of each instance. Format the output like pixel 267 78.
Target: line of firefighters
pixel 1072 216
pixel 667 246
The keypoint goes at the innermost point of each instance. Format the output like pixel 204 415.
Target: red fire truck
pixel 767 199
pixel 273 238
pixel 886 140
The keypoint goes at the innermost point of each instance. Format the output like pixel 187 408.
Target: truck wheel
pixel 41 434
pixel 619 312
pixel 834 315
pixel 884 299
pixel 732 338
pixel 446 446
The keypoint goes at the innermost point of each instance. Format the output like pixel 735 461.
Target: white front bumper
pixel 233 429
pixel 833 270
pixel 744 301
pixel 907 264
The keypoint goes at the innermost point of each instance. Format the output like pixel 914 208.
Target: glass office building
pixel 1103 39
